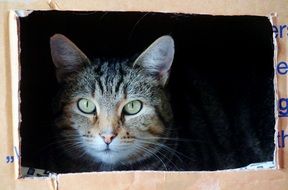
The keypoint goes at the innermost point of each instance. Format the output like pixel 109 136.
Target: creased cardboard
pixel 276 179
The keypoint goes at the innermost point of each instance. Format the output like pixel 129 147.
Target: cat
pixel 123 115
pixel 113 115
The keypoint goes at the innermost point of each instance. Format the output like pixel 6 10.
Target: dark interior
pixel 233 55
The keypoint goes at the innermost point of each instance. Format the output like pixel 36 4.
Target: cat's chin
pixel 107 156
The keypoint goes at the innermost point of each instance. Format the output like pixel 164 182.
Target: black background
pixel 234 54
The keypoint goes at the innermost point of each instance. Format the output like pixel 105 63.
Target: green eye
pixel 86 106
pixel 132 107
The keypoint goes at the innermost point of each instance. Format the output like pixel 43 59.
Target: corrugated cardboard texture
pixel 270 179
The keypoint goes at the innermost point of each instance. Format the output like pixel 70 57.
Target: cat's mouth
pixel 107 150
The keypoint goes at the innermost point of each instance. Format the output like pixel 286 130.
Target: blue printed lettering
pixel 282 27
pixel 283 107
pixel 9 159
pixel 275 31
pixel 280 30
pixel 282 68
pixel 281 139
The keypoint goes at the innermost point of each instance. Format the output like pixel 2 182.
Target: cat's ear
pixel 157 58
pixel 67 57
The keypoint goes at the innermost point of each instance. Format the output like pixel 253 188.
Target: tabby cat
pixel 117 115
pixel 113 115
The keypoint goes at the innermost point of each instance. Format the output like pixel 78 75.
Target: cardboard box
pixel 243 179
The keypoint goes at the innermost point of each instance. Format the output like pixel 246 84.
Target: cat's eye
pixel 132 107
pixel 86 106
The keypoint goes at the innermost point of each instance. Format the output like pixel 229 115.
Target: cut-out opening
pixel 220 86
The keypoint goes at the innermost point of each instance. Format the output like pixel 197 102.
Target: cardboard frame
pixel 9 74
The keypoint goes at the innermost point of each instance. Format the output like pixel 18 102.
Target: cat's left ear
pixel 66 56
pixel 157 59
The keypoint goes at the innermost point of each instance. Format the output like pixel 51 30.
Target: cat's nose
pixel 107 138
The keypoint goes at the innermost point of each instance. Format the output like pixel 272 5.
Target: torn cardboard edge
pixel 55 178
pixel 15 79
pixel 29 172
pixel 278 154
pixel 16 120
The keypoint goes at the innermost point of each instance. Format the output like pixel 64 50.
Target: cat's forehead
pixel 110 82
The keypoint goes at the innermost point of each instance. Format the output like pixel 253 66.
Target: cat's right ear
pixel 157 59
pixel 67 57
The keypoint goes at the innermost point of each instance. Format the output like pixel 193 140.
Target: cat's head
pixel 113 111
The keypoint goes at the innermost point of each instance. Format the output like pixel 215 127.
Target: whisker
pixel 70 149
pixel 165 138
pixel 166 147
pixel 147 150
pixel 135 25
pixel 163 154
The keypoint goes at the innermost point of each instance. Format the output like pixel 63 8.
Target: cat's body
pixel 116 115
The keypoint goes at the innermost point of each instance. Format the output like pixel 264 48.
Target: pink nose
pixel 108 137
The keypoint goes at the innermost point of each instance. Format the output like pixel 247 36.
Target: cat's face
pixel 115 112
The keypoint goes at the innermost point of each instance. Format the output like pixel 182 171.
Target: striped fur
pixel 140 139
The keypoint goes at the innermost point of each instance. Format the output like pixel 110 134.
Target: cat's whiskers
pixel 56 142
pixel 169 149
pixel 173 139
pixel 166 148
pixel 164 138
pixel 152 154
pixel 164 155
pixel 71 148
